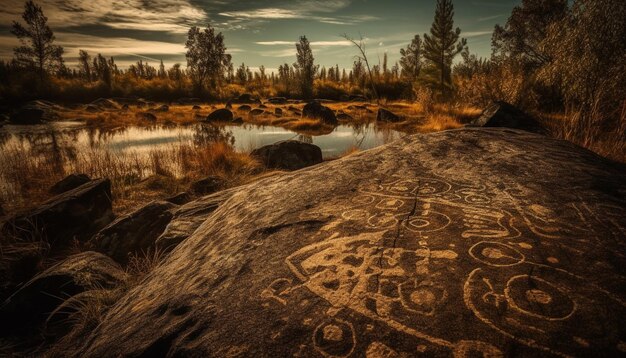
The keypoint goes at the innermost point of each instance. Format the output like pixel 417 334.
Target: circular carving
pixel 496 254
pixel 356 214
pixel 537 297
pixel 428 187
pixel 363 199
pixel 423 299
pixel 428 221
pixel 383 220
pixel 334 339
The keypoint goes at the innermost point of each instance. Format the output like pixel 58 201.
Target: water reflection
pixel 68 138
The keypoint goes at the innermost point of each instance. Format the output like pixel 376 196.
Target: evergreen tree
pixel 411 59
pixel 306 67
pixel 84 65
pixel 37 49
pixel 442 45
pixel 161 72
pixel 242 75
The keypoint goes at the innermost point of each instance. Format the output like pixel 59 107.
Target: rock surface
pixel 473 242
pixel 134 233
pixel 32 304
pixel 70 182
pixel 74 215
pixel 189 217
pixel 502 114
pixel 289 155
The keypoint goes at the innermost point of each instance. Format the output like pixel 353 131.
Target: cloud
pixel 313 43
pixel 475 34
pixel 488 18
pixel 175 16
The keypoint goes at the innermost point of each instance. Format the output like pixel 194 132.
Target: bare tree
pixel 360 45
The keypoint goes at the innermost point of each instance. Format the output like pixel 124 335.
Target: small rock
pixel 180 198
pixel 70 182
pixel 317 111
pixel 289 155
pixel 146 116
pixel 256 112
pixel 133 233
pixel 220 115
pixel 244 108
pixel 238 120
pixel 387 116
pixel 207 185
pixel 162 108
pixel 196 107
pixel 262 106
pixel 278 112
pixel 277 100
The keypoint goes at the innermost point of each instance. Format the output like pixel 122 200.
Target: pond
pixel 245 138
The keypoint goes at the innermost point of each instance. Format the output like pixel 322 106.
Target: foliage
pixel 442 46
pixel 37 50
pixel 305 67
pixel 206 57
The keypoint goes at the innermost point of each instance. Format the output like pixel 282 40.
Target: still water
pixel 145 139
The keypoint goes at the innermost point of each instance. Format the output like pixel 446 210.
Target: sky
pixel 257 32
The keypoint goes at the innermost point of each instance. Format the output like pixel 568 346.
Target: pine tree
pixel 411 59
pixel 306 67
pixel 85 66
pixel 161 72
pixel 442 45
pixel 37 49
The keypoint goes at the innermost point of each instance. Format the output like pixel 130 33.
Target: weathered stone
pixel 196 107
pixel 244 108
pixel 207 185
pixel 105 104
pixel 134 233
pixel 220 115
pixel 245 98
pixel 502 114
pixel 70 182
pixel 387 116
pixel 487 242
pixel 358 98
pixel 180 198
pixel 289 155
pixel 189 217
pixel 146 116
pixel 262 106
pixel 277 100
pixel 162 108
pixel 238 120
pixel 256 112
pixel 317 111
pixel 32 304
pixel 278 112
pixel 75 214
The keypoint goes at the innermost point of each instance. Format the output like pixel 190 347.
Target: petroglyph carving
pixel 334 338
pixel 496 254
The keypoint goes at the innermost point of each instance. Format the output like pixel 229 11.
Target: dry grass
pixel 27 174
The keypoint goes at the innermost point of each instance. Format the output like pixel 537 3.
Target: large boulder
pixel 73 215
pixel 289 155
pixel 502 114
pixel 33 303
pixel 317 111
pixel 473 242
pixel 70 182
pixel 220 115
pixel 135 233
pixel 208 185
